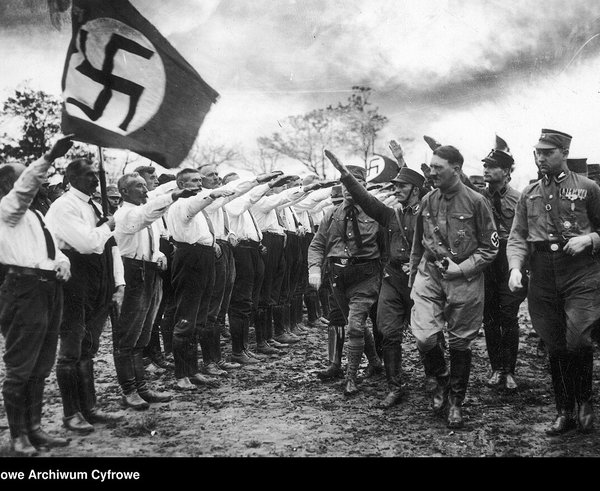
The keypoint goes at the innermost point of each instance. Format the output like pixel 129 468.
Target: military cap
pixel 554 139
pixel 112 191
pixel 336 194
pixel 477 180
pixel 579 166
pixel 358 172
pixel 410 176
pixel 500 155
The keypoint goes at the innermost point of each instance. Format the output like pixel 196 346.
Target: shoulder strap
pixel 436 228
pixel 399 218
pixel 551 206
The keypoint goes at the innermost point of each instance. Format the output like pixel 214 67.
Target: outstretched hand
pixel 183 193
pixel 221 193
pixel 336 163
pixel 60 147
pixel 282 181
pixel 269 176
pixel 396 149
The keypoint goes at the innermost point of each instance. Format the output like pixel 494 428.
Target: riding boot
pixel 583 389
pixel 375 365
pixel 563 393
pixel 281 331
pixel 236 328
pixel 262 346
pixel 355 352
pixel 437 375
pixel 192 355
pixel 460 369
pixel 34 401
pixel 126 378
pixel 205 336
pixel 87 395
pixel 393 369
pixel 312 307
pixel 14 405
pixel 180 350
pixel 335 345
pixel 493 341
pixel 295 319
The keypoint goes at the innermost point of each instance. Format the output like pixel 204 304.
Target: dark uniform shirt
pixel 503 203
pixel 336 239
pixel 465 230
pixel 572 198
pixel 399 223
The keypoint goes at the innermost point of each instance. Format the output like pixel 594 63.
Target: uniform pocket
pixel 461 232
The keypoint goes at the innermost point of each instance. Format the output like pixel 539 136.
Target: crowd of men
pixel 179 263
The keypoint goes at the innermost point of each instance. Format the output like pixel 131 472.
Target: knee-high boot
pixel 87 394
pixel 34 402
pixel 126 378
pixel 14 405
pixel 460 369
pixel 561 368
pixel 68 384
pixel 140 381
pixel 281 330
pixel 438 376
pixel 392 357
pixel 180 351
pixel 583 389
pixel 355 351
pixel 335 345
pixel 375 366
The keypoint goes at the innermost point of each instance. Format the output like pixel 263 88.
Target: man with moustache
pixel 455 239
pixel 138 239
pixel 394 303
pixel 96 282
pixel 31 301
pixel 501 307
pixel 556 229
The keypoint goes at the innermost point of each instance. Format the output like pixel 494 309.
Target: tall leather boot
pixel 560 367
pixel 180 351
pixel 126 378
pixel 296 316
pixel 269 333
pixel 206 342
pixel 375 365
pixel 14 405
pixel 355 352
pixel 34 401
pixel 460 369
pixel 140 381
pixel 335 345
pixel 393 370
pixel 87 395
pixel 438 377
pixel 510 351
pixel 260 328
pixel 583 389
pixel 312 308
pixel 68 384
pixel 279 326
pixel 493 342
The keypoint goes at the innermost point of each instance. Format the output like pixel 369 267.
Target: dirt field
pixel 280 409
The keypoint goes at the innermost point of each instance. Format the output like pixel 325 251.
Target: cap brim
pixel 491 162
pixel 542 145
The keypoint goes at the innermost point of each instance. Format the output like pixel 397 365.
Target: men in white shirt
pixel 210 335
pixel 193 275
pixel 249 268
pixel 31 301
pixel 138 240
pixel 96 281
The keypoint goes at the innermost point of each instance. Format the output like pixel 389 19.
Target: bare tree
pixel 261 161
pixel 209 153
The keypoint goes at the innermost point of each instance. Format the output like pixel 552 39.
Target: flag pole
pixel 102 179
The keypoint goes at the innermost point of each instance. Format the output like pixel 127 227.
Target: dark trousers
pixel 229 262
pixel 165 316
pixel 249 274
pixel 500 314
pixel 30 316
pixel 193 280
pixel 210 332
pixel 274 260
pixel 563 299
pixel 393 307
pixel 293 268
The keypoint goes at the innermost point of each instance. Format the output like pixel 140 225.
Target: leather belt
pixel 187 244
pixel 351 261
pixel 24 271
pixel 546 246
pixel 432 258
pixel 142 262
pixel 248 243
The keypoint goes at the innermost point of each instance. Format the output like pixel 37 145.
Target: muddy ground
pixel 280 409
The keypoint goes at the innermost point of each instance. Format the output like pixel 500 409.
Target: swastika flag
pixel 125 86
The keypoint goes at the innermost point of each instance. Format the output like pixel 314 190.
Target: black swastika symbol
pixel 108 80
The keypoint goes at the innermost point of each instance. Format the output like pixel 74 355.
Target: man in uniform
pixel 394 303
pixel 31 301
pixel 351 243
pixel 556 228
pixel 97 282
pixel 455 239
pixel 501 307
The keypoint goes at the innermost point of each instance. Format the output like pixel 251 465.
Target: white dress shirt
pixel 265 210
pixel 216 210
pixel 241 221
pixel 187 224
pixel 134 224
pixel 72 220
pixel 22 239
pixel 313 205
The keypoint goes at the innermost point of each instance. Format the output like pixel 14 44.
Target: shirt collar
pixel 452 191
pixel 558 178
pixel 79 195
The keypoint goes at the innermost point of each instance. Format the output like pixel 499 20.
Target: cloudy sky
pixel 458 70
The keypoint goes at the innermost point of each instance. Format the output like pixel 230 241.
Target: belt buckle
pixel 343 261
pixel 554 247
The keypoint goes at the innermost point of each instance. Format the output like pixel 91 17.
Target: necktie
pixel 96 210
pixel 225 221
pixel 281 219
pixel 497 201
pixel 150 241
pixel 47 236
pixel 351 216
